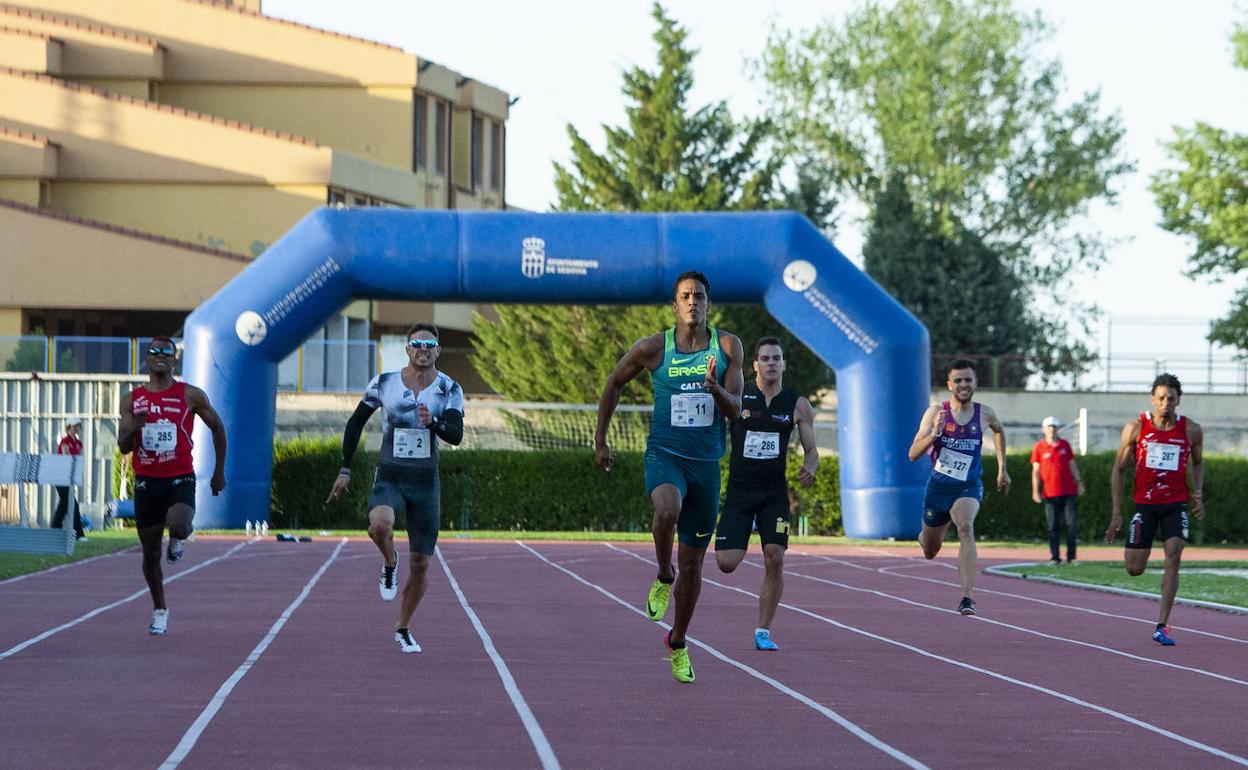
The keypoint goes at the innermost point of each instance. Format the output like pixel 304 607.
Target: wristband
pixel 344 472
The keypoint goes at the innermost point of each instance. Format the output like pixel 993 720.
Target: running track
pixel 280 655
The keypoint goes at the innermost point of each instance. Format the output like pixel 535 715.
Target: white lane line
pixel 1088 610
pixel 201 722
pixel 987 672
pixel 1022 629
pixel 544 751
pixel 141 592
pixel 849 726
pixel 80 562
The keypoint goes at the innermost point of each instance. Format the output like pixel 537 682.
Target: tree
pixel 668 157
pixel 1205 196
pixel 959 98
pixel 968 298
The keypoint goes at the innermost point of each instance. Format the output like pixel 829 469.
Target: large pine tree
pixel 667 157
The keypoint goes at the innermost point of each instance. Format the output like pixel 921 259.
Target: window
pixel 442 116
pixel 478 128
pixel 336 195
pixel 496 155
pixel 420 132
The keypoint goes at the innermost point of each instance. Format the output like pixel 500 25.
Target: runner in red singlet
pixel 1162 445
pixel 156 422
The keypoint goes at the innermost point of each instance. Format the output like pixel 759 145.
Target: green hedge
pixel 565 490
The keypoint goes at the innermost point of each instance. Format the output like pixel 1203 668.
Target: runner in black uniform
pixel 758 492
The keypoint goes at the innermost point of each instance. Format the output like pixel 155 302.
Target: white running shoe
pixel 405 640
pixel 389 583
pixel 160 623
pixel 175 549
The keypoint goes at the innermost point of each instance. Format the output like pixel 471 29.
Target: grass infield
pixel 1193 583
pixel 97 544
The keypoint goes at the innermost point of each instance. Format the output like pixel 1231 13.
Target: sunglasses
pixel 418 344
pixel 166 352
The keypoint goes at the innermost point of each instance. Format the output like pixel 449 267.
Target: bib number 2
pixel 411 443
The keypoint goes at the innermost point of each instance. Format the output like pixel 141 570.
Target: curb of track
pixel 1002 570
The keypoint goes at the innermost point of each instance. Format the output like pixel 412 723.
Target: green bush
pixel 1016 516
pixel 565 490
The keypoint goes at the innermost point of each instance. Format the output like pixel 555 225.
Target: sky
pixel 1154 64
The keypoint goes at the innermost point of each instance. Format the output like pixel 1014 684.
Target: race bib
pixel 761 446
pixel 1162 457
pixel 160 436
pixel 411 443
pixel 953 464
pixel 692 410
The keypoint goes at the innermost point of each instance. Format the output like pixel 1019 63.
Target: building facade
pixel 149 149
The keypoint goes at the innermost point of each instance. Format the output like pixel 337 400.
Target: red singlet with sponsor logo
pixel 1161 463
pixel 163 448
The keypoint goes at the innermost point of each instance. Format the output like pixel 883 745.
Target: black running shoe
pixel 967 606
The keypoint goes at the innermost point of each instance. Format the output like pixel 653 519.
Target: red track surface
pixel 1027 684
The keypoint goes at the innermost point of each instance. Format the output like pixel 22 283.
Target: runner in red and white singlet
pixel 1163 446
pixel 164 448
pixel 156 422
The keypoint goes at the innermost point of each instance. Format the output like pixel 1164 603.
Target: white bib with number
pixel 1162 457
pixel 160 436
pixel 692 410
pixel 411 443
pixel 760 445
pixel 953 464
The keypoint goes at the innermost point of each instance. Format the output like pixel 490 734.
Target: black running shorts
pixel 1171 518
pixel 745 508
pixel 154 496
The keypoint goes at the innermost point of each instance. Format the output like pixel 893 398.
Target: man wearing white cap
pixel 1056 483
pixel 70 445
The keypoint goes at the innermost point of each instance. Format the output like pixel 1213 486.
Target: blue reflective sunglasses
pixel 166 352
pixel 418 344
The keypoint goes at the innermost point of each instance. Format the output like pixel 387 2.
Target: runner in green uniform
pixel 698 381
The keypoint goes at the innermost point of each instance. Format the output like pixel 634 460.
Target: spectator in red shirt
pixel 70 445
pixel 1055 482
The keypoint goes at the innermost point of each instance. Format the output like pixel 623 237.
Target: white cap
pixel 73 421
pixel 1051 420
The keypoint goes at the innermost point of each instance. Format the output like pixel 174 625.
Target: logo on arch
pixel 799 275
pixel 533 257
pixel 250 327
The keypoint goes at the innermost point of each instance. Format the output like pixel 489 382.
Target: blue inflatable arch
pixel 236 339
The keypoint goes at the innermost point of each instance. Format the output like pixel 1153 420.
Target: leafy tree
pixel 970 300
pixel 667 158
pixel 1205 196
pixel 961 100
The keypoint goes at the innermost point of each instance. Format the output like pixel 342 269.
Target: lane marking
pixel 17 578
pixel 141 592
pixel 544 751
pixel 849 726
pixel 205 717
pixel 986 672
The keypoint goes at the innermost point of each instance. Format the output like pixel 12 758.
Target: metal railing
pixel 317 366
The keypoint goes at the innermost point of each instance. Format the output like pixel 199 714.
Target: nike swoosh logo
pixel 685 360
pixel 702 534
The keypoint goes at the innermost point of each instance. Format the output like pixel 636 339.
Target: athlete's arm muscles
pixel 928 431
pixel 998 443
pixel 728 396
pixel 1126 448
pixel 350 441
pixel 197 400
pixel 804 416
pixel 1196 440
pixel 646 353
pixel 128 430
